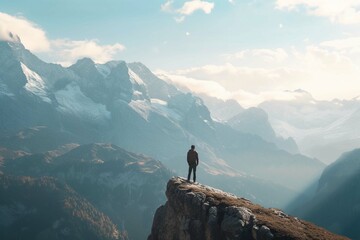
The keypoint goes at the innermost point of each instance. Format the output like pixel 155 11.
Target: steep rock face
pixel 156 87
pixel 13 77
pixel 195 211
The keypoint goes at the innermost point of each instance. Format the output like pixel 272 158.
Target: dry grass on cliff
pixel 281 225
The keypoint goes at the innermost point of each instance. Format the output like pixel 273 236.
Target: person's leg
pixel 189 173
pixel 194 168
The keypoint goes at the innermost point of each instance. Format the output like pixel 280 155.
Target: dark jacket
pixel 192 158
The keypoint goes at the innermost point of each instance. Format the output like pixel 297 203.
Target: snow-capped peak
pixel 35 84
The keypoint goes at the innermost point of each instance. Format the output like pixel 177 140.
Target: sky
pixel 248 50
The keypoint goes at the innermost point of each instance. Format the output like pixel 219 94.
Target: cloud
pixel 266 55
pixel 167 6
pixel 188 8
pixel 330 62
pixel 68 51
pixel 32 36
pixel 329 73
pixel 196 5
pixel 179 19
pixel 63 51
pixel 210 88
pixel 351 44
pixel 214 89
pixel 344 11
pixel 326 70
pixel 250 79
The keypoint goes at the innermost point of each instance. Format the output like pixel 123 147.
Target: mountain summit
pixel 195 211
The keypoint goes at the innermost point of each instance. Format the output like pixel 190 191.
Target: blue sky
pixel 250 50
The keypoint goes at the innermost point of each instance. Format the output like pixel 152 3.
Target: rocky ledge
pixel 196 211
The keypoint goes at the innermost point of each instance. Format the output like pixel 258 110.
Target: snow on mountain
pixel 222 110
pixel 126 104
pixel 72 101
pixel 162 108
pixel 35 84
pixel 156 87
pixel 322 129
pixel 135 78
pixel 142 107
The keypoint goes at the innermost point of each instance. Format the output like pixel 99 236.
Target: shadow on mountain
pixel 336 204
pixel 301 198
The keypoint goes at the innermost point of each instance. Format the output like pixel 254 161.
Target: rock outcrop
pixel 196 211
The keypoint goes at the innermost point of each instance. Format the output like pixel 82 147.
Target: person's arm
pixel 197 159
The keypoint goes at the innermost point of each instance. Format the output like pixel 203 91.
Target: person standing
pixel 193 161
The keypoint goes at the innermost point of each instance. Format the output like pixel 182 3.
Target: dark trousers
pixel 192 168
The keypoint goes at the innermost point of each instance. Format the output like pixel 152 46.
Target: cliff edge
pixel 196 211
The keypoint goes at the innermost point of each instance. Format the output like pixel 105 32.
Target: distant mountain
pixel 126 187
pixel 252 120
pixel 322 129
pixel 44 208
pixel 255 121
pixel 222 110
pixel 335 204
pixel 127 105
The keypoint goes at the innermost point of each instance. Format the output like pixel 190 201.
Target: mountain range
pixel 115 132
pixel 126 104
pixel 322 129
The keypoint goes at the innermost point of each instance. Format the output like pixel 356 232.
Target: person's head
pixel 192 147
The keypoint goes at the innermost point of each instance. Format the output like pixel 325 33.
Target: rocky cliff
pixel 195 211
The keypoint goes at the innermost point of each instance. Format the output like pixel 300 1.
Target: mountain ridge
pixel 126 187
pixel 127 105
pixel 45 208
